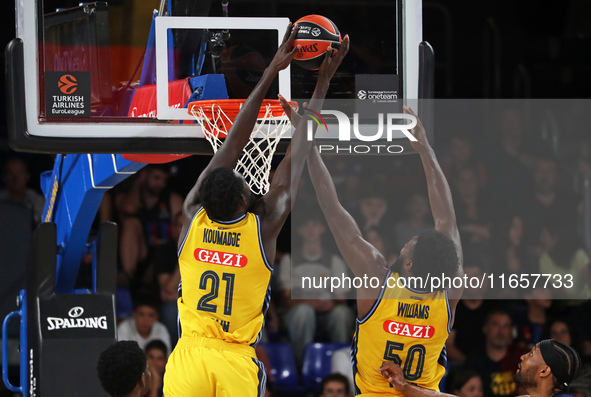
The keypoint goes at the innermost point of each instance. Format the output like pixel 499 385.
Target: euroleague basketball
pixel 315 34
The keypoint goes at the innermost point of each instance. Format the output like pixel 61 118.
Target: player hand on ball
pixel 286 50
pixel 327 69
pixel 332 61
pixel 418 132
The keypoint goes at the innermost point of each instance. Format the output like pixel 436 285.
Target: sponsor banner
pixel 220 258
pixel 409 330
pixel 77 316
pixel 376 93
pixel 67 94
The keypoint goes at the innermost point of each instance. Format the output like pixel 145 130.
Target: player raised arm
pixel 241 129
pixel 361 257
pixel 439 196
pixel 275 206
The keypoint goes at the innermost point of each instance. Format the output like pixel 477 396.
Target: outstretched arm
pixel 440 199
pixel 361 257
pixel 239 133
pixel 393 373
pixel 275 206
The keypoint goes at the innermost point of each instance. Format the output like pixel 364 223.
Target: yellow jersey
pixel 405 326
pixel 225 279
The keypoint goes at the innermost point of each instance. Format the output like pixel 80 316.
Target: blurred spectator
pixel 547 204
pixel 466 335
pixel 144 327
pixel 560 330
pixel 373 208
pixel 312 309
pixel 496 364
pixel 466 383
pixel 341 364
pixel 416 220
pixel 157 359
pixel 565 256
pixel 459 156
pixel 531 321
pixel 168 277
pixel 334 385
pixel 146 211
pixel 16 176
pixel 374 237
pixel 507 172
pixel 510 252
pixel 474 217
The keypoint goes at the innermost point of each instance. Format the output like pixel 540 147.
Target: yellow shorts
pixel 211 367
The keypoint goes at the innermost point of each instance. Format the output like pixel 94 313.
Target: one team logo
pixel 68 84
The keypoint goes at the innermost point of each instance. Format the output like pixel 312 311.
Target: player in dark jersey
pixel 544 371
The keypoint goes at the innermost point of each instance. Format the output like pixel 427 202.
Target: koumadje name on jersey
pixel 90 322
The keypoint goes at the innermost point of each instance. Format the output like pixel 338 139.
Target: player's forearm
pixel 439 194
pixel 300 144
pixel 290 169
pixel 414 391
pixel 326 192
pixel 242 126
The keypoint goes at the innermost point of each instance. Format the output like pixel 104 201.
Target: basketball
pixel 315 34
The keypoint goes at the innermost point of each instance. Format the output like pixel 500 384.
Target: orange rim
pixel 230 108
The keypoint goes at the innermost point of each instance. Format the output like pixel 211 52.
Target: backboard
pixel 116 77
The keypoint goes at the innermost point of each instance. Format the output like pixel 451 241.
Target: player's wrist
pixel 271 71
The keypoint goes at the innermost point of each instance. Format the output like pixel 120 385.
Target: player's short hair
pixel 120 367
pixel 434 253
pixel 156 344
pixel 221 192
pixel 335 377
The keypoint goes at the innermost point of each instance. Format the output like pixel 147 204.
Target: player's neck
pixel 541 390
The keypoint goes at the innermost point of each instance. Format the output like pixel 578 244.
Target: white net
pixel 255 162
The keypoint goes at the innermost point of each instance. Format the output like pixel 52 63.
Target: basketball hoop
pixel 216 118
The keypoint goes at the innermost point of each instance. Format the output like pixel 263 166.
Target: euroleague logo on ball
pixel 316 32
pixel 68 84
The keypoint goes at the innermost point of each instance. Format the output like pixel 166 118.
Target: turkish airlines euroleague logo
pixel 409 330
pixel 220 258
pixel 68 84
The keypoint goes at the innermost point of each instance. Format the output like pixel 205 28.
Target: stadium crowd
pixel 515 207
